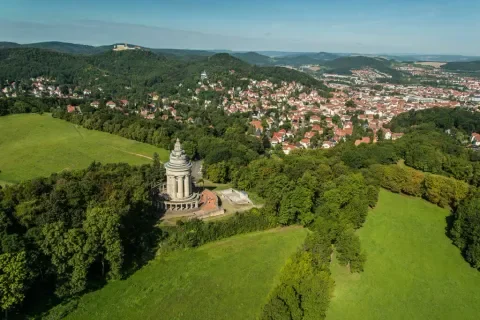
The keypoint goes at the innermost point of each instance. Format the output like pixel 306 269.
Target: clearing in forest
pixel 33 145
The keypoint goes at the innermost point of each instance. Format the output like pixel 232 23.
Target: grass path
pixel 413 271
pixel 228 279
pixel 33 145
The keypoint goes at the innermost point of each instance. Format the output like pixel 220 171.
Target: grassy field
pixel 227 279
pixel 412 270
pixel 33 145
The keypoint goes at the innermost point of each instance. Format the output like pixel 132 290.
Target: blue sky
pixel 369 26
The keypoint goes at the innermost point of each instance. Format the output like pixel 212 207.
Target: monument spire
pixel 178 145
pixel 179 181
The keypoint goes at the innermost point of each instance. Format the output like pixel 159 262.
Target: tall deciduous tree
pixel 349 252
pixel 13 275
pixel 68 256
pixel 157 171
pixel 103 239
pixel 297 204
pixel 466 230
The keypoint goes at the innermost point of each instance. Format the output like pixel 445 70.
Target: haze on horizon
pixel 369 26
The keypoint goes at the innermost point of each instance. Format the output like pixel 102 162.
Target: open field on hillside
pixel 412 270
pixel 33 145
pixel 227 279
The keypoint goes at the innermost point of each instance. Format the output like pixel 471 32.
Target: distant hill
pixel 325 56
pixel 430 57
pixel 275 57
pixel 183 52
pixel 74 48
pixel 145 70
pixel 291 60
pixel 6 45
pixel 297 61
pixel 254 58
pixel 463 66
pixel 344 65
pixel 24 63
pixel 64 47
pixel 305 59
pixel 67 47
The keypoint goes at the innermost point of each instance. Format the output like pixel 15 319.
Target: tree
pixel 157 171
pixel 13 275
pixel 276 309
pixel 217 172
pixel 350 104
pixel 465 231
pixel 297 204
pixel 345 199
pixel 103 239
pixel 380 135
pixel 190 149
pixel 304 291
pixel 66 249
pixel 348 249
pixel 64 89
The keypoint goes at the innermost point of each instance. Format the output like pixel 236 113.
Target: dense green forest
pixel 466 121
pixel 463 66
pixel 61 233
pixel 64 47
pixel 255 58
pixel 133 74
pixel 29 105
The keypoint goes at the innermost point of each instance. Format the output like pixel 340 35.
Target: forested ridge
pixel 140 70
pixel 344 65
pixel 468 66
pixel 58 46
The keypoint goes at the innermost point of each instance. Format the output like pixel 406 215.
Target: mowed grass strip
pixel 227 279
pixel 413 271
pixel 33 145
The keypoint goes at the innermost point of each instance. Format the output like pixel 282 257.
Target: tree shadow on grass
pixel 450 219
pixel 145 240
pixel 144 237
pixel 449 225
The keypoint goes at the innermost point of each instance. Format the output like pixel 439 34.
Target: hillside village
pixel 290 114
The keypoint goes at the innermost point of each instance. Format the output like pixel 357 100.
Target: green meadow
pixel 413 271
pixel 33 145
pixel 227 279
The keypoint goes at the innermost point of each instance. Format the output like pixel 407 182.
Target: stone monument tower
pixel 179 185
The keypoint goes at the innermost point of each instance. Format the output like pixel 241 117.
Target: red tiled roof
pixel 208 200
pixel 363 140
